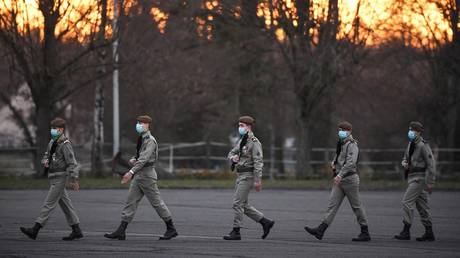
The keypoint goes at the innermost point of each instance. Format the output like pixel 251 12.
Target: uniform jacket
pixel 148 156
pixel 422 163
pixel 348 157
pixel 63 159
pixel 251 156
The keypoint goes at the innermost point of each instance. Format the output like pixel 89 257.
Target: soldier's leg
pixel 57 186
pixel 249 210
pixel 69 211
pixel 135 195
pixel 424 209
pixel 335 200
pixel 150 188
pixel 239 200
pixel 412 193
pixel 352 192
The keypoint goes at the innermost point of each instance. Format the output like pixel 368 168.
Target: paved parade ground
pixel 203 216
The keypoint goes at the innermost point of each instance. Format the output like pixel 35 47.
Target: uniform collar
pixel 349 138
pixel 418 139
pixel 61 138
pixel 146 133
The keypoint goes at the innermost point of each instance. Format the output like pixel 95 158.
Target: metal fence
pixel 278 162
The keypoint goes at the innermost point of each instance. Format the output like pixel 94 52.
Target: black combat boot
pixel 33 231
pixel 170 231
pixel 75 234
pixel 428 236
pixel 234 235
pixel 405 233
pixel 266 225
pixel 364 236
pixel 119 233
pixel 317 232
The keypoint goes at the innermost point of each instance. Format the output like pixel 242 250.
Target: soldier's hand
pixel 429 188
pixel 132 162
pixel 332 166
pixel 45 163
pixel 127 177
pixel 405 165
pixel 258 185
pixel 235 158
pixel 74 185
pixel 337 180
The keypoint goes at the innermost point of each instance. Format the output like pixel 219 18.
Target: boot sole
pixel 23 230
pixel 74 238
pixel 168 238
pixel 400 238
pixel 227 238
pixel 313 234
pixel 118 238
pixel 361 240
pixel 269 228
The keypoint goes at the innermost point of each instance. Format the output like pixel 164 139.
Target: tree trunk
pixel 42 134
pixel 97 146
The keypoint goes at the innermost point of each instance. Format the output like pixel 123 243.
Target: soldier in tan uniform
pixel 346 184
pixel 247 158
pixel 420 171
pixel 60 164
pixel 144 182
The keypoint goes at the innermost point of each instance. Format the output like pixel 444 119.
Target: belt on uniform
pixel 149 164
pixel 348 174
pixel 242 170
pixel 417 170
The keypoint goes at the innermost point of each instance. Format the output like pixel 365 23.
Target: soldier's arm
pixel 71 162
pixel 351 159
pixel 405 159
pixel 234 151
pixel 430 175
pixel 333 161
pixel 258 159
pixel 45 155
pixel 144 155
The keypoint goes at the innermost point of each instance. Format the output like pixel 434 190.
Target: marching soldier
pixel 60 164
pixel 144 182
pixel 247 158
pixel 419 165
pixel 346 184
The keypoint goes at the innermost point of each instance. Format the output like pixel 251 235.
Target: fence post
pixel 171 158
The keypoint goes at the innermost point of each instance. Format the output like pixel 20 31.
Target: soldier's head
pixel 245 124
pixel 57 127
pixel 415 130
pixel 344 129
pixel 143 123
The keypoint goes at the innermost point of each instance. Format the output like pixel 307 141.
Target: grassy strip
pixel 114 183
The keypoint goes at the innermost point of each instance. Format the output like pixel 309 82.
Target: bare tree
pixel 47 56
pixel 316 58
pixel 97 146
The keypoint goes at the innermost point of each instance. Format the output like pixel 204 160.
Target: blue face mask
pixel 411 135
pixel 242 130
pixel 343 134
pixel 54 133
pixel 139 128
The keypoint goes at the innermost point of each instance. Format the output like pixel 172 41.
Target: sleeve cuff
pixel 132 172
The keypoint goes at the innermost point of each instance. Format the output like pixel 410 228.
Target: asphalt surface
pixel 202 217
